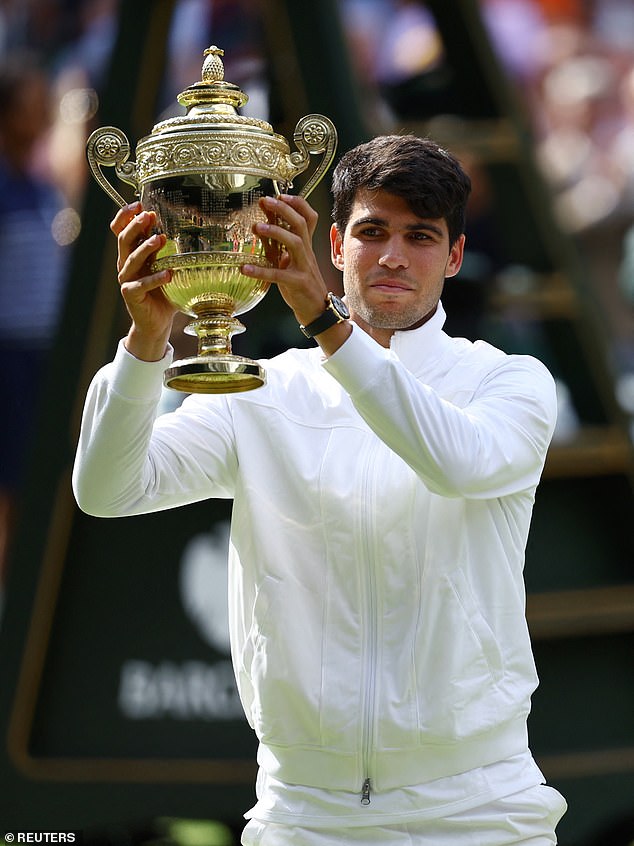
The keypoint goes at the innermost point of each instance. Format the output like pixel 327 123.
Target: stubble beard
pixel 380 318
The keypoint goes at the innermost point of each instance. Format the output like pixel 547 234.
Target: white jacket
pixel 382 502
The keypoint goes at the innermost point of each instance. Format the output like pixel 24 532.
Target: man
pixel 383 484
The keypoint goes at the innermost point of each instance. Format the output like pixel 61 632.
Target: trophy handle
pixel 313 134
pixel 110 147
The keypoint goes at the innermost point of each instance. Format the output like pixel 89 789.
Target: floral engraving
pixel 314 134
pixel 108 147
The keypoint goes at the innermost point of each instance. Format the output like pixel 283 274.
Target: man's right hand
pixel 151 313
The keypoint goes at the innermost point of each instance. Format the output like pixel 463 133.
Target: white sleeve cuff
pixel 357 361
pixel 139 380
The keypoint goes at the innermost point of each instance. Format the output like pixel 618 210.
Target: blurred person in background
pixel 31 270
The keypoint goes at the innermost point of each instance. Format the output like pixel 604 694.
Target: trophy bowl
pixel 203 174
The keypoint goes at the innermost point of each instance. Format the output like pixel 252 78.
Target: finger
pixel 291 231
pixel 138 262
pixel 135 290
pixel 137 231
pixel 269 274
pixel 272 252
pixel 284 260
pixel 299 203
pixel 301 208
pixel 124 216
pixel 292 213
pixel 271 217
pixel 139 227
pixel 257 271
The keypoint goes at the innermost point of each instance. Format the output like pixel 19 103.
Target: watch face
pixel 339 306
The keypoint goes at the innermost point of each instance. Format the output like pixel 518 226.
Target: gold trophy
pixel 203 174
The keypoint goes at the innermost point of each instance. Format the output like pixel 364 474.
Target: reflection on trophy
pixel 203 174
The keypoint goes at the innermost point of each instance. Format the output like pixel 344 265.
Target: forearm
pixel 129 461
pixel 111 468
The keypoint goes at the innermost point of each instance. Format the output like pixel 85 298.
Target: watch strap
pixel 330 317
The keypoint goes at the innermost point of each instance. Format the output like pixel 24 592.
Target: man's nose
pixel 393 255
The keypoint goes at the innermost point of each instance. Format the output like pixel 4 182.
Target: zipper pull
pixel 365 792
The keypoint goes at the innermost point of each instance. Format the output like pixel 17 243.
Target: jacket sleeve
pixel 493 446
pixel 131 461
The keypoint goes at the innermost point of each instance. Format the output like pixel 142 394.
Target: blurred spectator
pixel 233 25
pixel 32 269
pixel 466 297
pixel 89 48
pixel 41 24
pixel 626 268
pixel 613 21
pixel 513 22
pixel 622 146
pixel 400 56
pixel 78 74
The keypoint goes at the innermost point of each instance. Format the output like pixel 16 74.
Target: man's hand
pixel 149 309
pixel 291 224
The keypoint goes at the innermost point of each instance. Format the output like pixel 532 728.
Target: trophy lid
pixel 214 102
pixel 212 93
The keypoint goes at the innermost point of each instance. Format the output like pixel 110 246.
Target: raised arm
pixel 127 460
pixel 488 441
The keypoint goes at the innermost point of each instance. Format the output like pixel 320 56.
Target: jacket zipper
pixel 371 629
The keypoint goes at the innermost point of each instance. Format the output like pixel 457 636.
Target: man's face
pixel 394 263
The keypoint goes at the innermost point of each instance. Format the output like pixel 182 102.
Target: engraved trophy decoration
pixel 203 174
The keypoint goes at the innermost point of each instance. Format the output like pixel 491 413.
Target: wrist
pixel 144 347
pixel 334 311
pixel 332 339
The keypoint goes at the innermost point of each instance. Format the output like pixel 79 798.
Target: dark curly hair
pixel 428 177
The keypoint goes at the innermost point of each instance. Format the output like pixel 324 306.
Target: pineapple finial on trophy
pixel 213 67
pixel 212 93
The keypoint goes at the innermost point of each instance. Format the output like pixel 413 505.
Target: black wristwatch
pixel 336 312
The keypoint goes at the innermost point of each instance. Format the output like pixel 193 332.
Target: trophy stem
pixel 214 333
pixel 215 370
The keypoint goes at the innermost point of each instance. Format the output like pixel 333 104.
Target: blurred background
pixel 118 708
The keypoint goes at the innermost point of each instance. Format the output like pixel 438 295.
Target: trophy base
pixel 215 374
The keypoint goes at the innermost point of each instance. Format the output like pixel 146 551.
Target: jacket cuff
pixel 139 380
pixel 356 363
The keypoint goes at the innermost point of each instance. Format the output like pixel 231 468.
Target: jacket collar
pixel 417 348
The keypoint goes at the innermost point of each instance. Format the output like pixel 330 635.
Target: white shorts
pixel 528 818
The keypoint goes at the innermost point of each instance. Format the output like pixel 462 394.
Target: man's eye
pixel 419 236
pixel 371 231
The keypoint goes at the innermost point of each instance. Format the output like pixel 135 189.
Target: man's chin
pixel 397 320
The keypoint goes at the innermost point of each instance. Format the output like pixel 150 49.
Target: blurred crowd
pixel 571 66
pixel 52 60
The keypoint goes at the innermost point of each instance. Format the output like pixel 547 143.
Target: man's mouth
pixel 391 286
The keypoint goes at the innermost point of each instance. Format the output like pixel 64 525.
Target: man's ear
pixel 336 247
pixel 456 255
